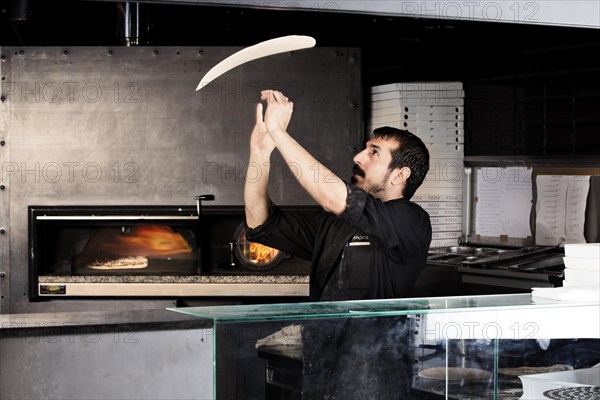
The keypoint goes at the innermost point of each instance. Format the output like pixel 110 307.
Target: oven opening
pixel 130 249
pixel 92 242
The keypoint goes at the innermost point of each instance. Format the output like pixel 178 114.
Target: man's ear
pixel 401 175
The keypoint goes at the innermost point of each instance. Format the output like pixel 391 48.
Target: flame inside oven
pixel 134 247
pixel 148 240
pixel 256 253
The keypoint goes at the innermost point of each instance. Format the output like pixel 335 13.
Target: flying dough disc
pixel 262 49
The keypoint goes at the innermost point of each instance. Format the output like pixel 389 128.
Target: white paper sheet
pixel 560 209
pixel 577 192
pixel 504 198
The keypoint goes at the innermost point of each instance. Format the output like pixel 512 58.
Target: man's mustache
pixel 357 170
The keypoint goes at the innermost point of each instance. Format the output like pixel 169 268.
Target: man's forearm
pixel 256 189
pixel 320 182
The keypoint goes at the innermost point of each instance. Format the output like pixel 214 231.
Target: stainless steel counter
pixel 62 323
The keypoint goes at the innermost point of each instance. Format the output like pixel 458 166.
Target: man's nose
pixel 358 159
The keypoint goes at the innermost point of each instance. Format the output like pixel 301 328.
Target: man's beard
pixel 373 189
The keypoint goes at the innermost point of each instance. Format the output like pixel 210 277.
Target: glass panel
pixel 397 349
pixel 371 307
pixel 342 358
pixel 386 358
pixel 465 370
pixel 350 358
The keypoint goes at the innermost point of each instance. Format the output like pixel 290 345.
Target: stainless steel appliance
pixel 514 268
pixel 493 264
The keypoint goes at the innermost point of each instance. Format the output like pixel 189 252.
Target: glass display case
pixel 472 347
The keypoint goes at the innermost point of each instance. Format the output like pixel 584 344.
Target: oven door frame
pixel 94 213
pixel 203 285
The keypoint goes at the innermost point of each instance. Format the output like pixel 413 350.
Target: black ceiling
pixel 402 47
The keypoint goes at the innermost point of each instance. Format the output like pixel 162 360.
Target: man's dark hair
pixel 411 153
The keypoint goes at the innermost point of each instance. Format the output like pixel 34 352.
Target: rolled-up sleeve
pixel 290 231
pixel 267 227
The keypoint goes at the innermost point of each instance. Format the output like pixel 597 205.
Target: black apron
pixel 351 278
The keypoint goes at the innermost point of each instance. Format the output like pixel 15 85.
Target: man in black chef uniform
pixel 369 241
pixel 374 208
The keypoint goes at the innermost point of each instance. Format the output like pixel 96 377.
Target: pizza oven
pixel 145 251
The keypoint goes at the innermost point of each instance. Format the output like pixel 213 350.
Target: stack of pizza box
pixel 582 265
pixel 434 111
pixel 582 275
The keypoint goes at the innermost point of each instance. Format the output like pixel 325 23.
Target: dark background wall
pixel 530 90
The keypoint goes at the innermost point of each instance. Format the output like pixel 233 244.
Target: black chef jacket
pixel 398 231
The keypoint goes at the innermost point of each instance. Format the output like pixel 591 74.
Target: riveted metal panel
pixel 124 125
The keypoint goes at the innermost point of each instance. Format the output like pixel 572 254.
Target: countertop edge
pixel 94 323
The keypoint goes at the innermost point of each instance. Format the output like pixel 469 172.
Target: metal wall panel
pixel 124 125
pixel 166 365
